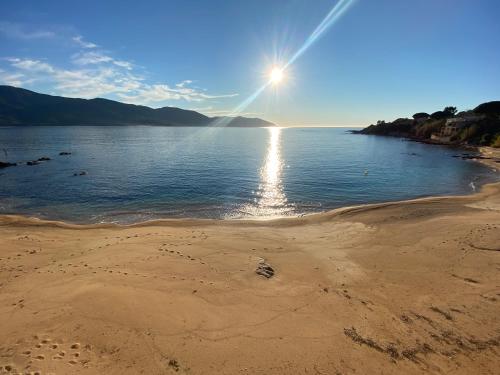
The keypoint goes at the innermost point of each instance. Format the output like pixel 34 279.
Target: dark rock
pixel 6 164
pixel 44 158
pixel 82 173
pixel 265 270
pixel 65 153
pixel 469 156
pixel 33 162
pixel 173 363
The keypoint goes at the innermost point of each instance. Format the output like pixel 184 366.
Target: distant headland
pixel 21 107
pixel 477 127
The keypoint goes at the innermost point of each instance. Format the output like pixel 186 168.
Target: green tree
pixel 496 142
pixel 420 115
pixel 439 115
pixel 450 111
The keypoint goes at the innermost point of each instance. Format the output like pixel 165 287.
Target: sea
pixel 129 174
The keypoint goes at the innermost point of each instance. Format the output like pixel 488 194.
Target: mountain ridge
pixel 22 107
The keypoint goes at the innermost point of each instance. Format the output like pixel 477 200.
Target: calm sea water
pixel 139 173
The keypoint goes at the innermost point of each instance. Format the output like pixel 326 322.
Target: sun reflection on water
pixel 270 199
pixel 271 195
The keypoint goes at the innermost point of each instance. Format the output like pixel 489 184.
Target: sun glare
pixel 276 75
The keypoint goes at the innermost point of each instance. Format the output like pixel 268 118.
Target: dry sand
pixel 400 288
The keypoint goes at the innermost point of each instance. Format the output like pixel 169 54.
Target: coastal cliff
pixel 477 127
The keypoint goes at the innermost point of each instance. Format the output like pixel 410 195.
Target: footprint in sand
pixel 48 349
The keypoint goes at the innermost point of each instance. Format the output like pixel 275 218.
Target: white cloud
pixel 202 109
pixel 86 58
pixel 82 43
pixel 101 79
pixel 31 65
pixel 148 94
pixel 84 83
pixel 211 111
pixel 184 83
pixel 18 31
pixel 225 112
pixel 13 79
pixel 94 73
pixel 123 64
pixel 97 57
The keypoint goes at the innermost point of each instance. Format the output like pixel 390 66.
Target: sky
pixel 373 60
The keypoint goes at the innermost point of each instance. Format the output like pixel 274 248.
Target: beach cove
pixel 125 175
pixel 249 188
pixel 402 287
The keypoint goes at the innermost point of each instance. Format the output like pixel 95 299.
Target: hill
pixel 23 107
pixel 478 127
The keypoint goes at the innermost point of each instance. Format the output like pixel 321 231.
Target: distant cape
pixel 21 107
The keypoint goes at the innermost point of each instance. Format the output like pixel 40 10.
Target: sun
pixel 276 75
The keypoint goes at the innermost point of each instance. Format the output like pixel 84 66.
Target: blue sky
pixel 380 59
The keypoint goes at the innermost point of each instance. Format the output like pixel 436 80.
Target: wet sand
pixel 400 288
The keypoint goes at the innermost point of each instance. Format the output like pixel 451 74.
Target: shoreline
pixel 493 162
pixel 399 287
pixel 486 190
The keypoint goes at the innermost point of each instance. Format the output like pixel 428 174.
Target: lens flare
pixel 337 11
pixel 278 73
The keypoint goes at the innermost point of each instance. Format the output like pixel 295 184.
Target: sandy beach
pixel 250 187
pixel 408 287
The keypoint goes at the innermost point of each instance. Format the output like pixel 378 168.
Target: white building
pixel 453 126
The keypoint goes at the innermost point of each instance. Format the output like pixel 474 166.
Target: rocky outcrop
pixel 4 164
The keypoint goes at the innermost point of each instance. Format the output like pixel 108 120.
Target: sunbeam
pixel 337 11
pixel 278 72
pixel 224 121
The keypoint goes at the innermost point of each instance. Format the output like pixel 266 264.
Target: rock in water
pixel 33 162
pixel 265 270
pixel 65 153
pixel 44 158
pixel 4 164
